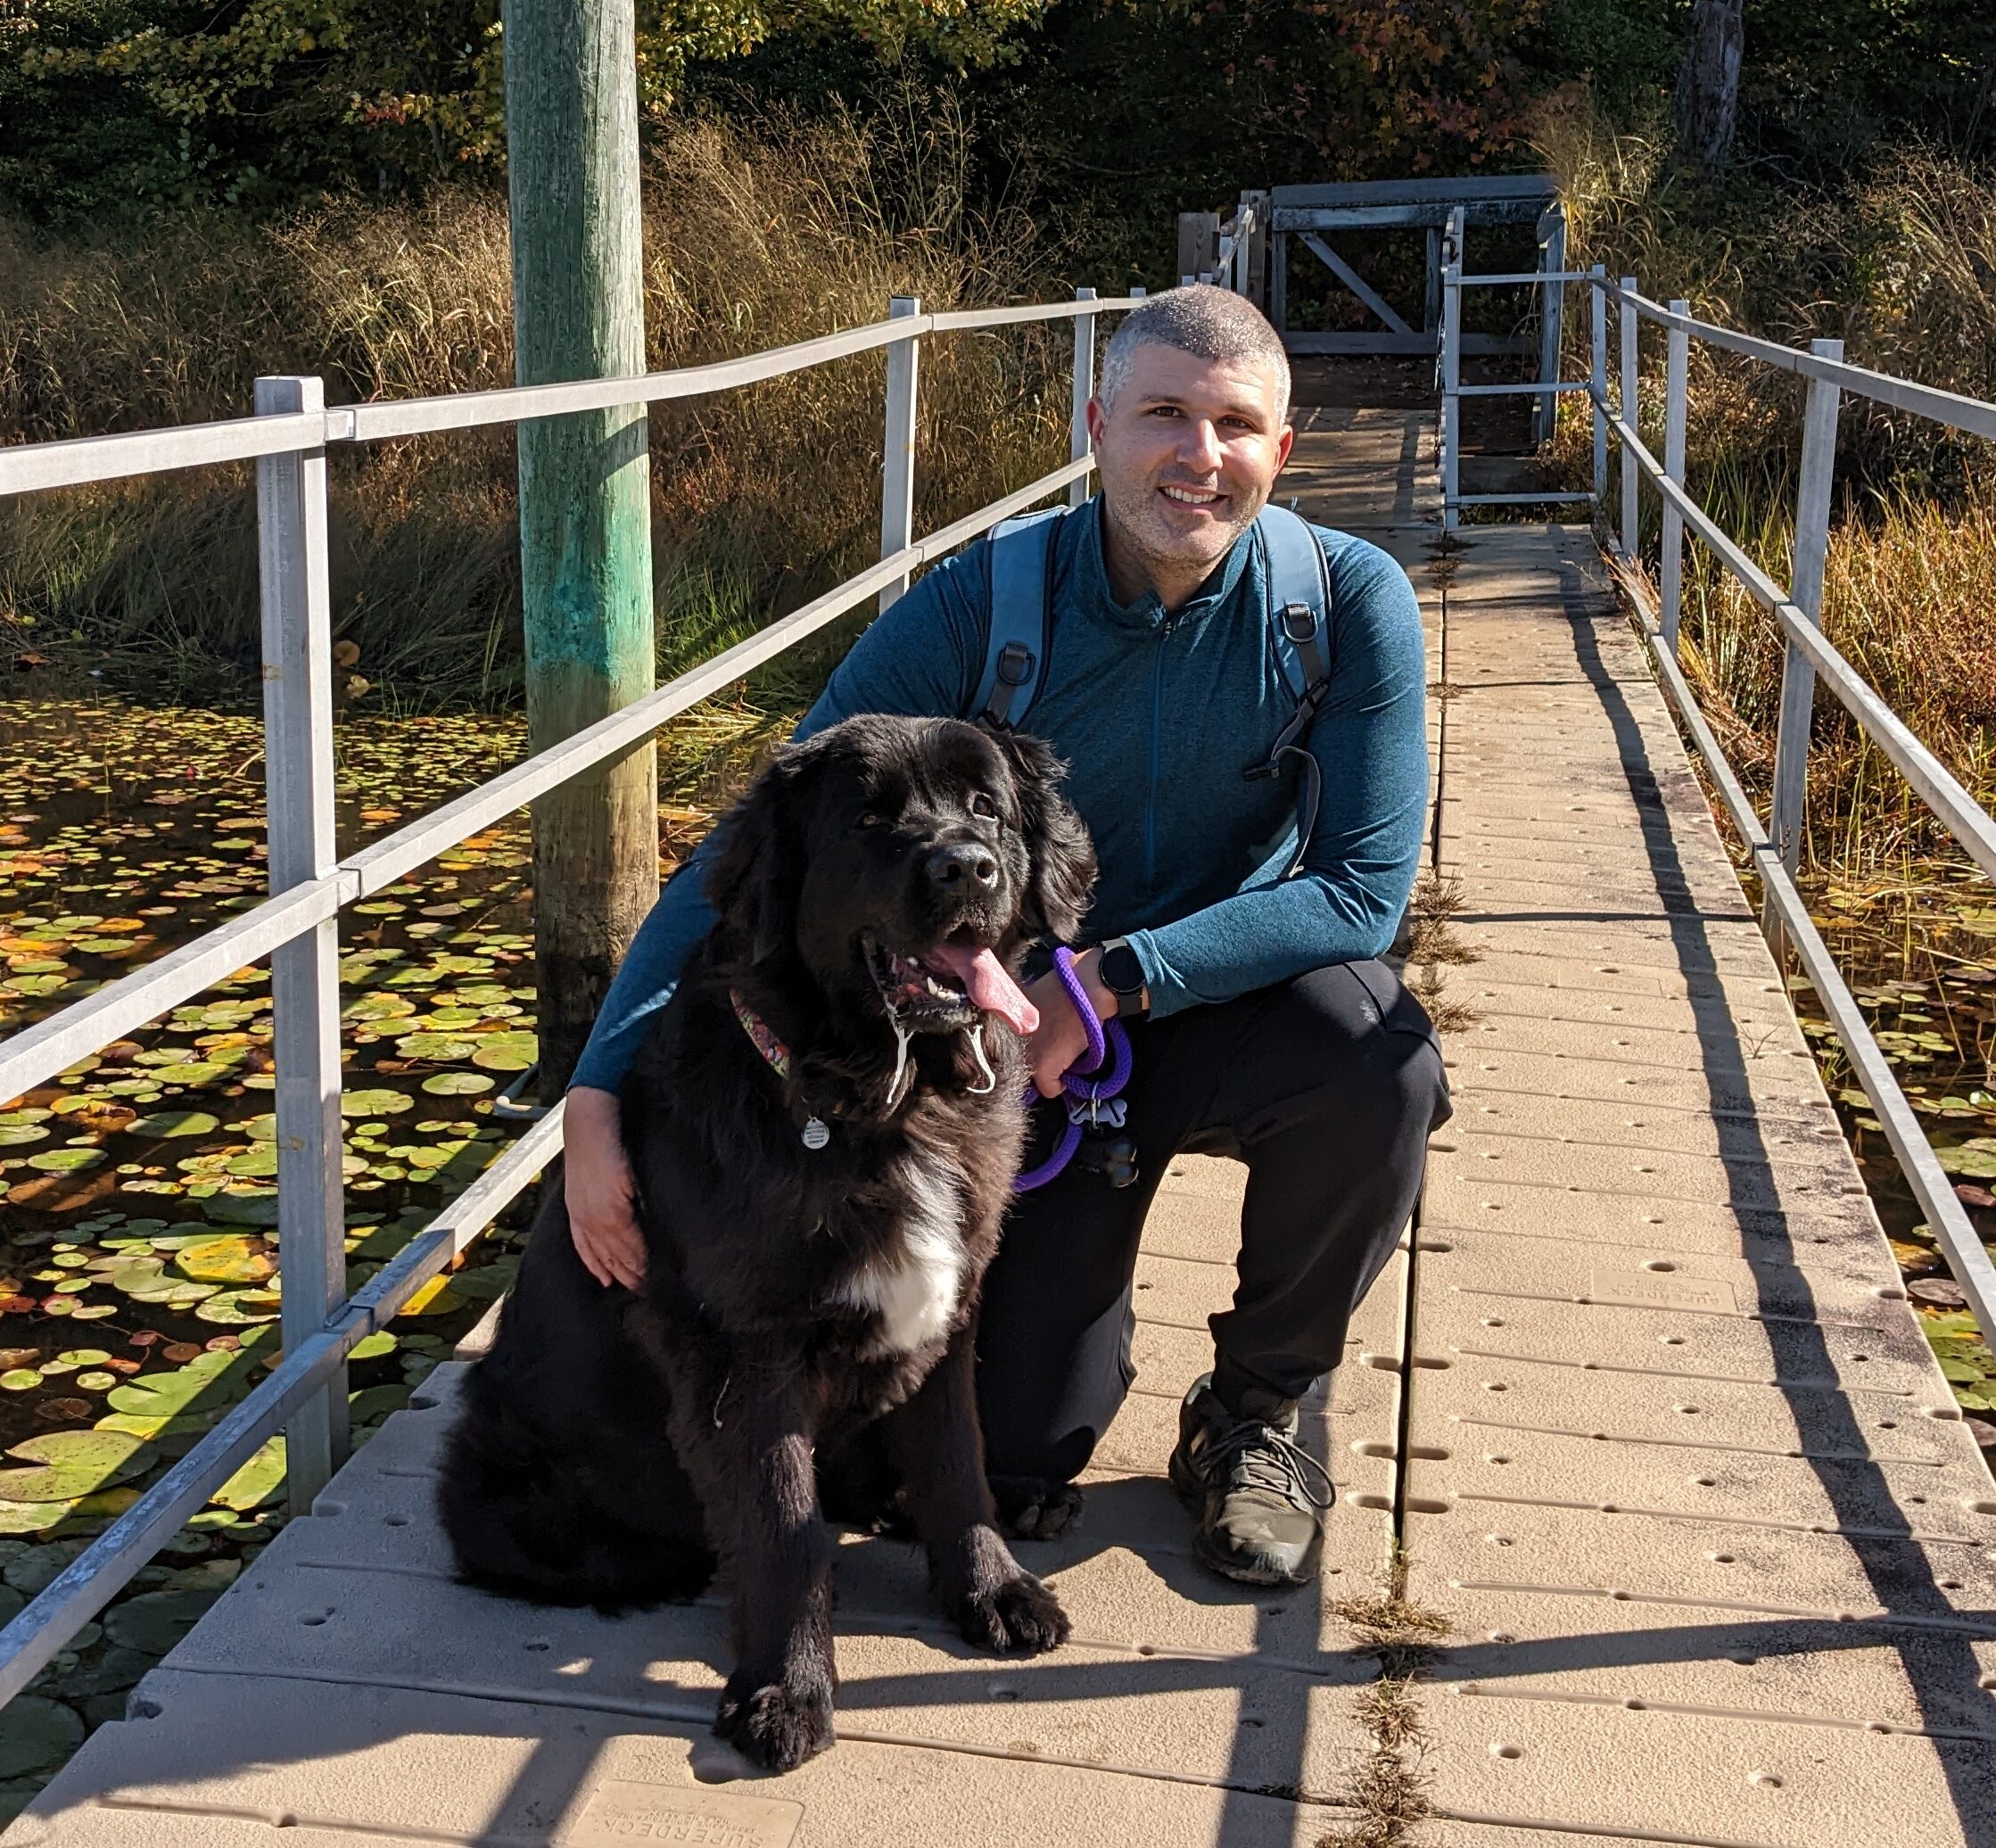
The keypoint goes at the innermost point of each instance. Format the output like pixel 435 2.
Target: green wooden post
pixel 585 511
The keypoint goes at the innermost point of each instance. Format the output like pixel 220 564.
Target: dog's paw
pixel 775 1725
pixel 1031 1509
pixel 1020 1617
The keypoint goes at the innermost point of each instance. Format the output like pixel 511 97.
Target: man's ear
pixel 755 879
pixel 1062 858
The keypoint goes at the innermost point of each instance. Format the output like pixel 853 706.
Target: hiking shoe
pixel 1260 1498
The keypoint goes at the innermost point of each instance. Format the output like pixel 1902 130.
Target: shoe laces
pixel 1259 1456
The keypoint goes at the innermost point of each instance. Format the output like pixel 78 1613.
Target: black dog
pixel 824 1126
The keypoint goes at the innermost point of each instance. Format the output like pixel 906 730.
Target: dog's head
pixel 902 865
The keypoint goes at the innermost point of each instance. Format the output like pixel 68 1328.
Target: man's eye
pixel 982 804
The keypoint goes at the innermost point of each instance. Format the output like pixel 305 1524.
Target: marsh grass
pixel 761 498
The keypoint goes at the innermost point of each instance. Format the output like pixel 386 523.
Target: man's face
pixel 1188 455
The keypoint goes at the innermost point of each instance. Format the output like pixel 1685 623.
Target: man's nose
pixel 1202 445
pixel 962 867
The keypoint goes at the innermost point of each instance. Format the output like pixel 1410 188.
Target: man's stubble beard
pixel 1145 539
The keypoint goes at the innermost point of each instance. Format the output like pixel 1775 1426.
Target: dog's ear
pixel 1062 880
pixel 755 882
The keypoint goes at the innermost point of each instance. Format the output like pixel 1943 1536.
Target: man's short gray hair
pixel 1201 320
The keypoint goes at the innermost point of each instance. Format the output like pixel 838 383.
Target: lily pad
pixel 19 1136
pixel 513 1051
pixel 33 1517
pixel 252 1485
pixel 71 1463
pixel 374 1103
pixel 65 1161
pixel 457 1084
pixel 172 1123
pixel 36 1733
pixel 234 1258
pixel 238 1308
pixel 155 1622
pixel 208 1380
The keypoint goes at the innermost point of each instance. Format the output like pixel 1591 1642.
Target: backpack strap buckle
pixel 1299 623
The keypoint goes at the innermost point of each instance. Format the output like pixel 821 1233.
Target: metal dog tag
pixel 815 1135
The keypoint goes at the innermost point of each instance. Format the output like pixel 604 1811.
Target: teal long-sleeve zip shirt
pixel 1157 715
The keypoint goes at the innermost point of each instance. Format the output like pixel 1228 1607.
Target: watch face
pixel 1122 973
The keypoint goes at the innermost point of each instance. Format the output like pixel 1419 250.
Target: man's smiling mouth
pixel 1190 496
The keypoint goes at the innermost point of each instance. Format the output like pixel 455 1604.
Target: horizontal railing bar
pixel 1579 384
pixel 1957 810
pixel 1970 415
pixel 107 1564
pixel 38 1053
pixel 1968 1259
pixel 1520 500
pixel 386 862
pixel 1528 275
pixel 28 467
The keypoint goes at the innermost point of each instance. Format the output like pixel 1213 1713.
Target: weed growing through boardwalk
pixel 1432 945
pixel 1391 1788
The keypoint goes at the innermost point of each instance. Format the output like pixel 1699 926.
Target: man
pixel 1262 1024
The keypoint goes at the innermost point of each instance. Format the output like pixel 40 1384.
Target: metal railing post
pixel 1788 807
pixel 897 465
pixel 1677 385
pixel 1079 442
pixel 1551 301
pixel 305 972
pixel 1451 368
pixel 1631 475
pixel 1597 379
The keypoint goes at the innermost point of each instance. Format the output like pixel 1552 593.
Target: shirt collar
pixel 1095 596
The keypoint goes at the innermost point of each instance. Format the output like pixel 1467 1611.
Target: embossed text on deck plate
pixel 620 1812
pixel 1652 1290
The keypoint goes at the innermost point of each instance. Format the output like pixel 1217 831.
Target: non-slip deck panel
pixel 1714 1544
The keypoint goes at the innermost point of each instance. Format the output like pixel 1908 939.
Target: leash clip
pixel 1094 1110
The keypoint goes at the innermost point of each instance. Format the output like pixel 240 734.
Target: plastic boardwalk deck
pixel 1681 1476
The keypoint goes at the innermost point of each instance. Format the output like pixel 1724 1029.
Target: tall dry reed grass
pixel 1901 265
pixel 760 496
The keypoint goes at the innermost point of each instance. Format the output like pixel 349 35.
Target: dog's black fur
pixel 612 1446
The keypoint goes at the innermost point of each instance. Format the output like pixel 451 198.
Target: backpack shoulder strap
pixel 1021 617
pixel 1300 632
pixel 1298 600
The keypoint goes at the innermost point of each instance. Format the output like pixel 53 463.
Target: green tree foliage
pixel 105 103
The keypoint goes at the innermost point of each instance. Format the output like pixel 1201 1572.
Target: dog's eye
pixel 871 820
pixel 982 804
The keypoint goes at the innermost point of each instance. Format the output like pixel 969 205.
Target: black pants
pixel 1326 1087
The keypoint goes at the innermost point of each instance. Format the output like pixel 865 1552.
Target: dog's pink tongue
pixel 986 983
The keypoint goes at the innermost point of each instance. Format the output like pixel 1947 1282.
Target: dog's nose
pixel 961 864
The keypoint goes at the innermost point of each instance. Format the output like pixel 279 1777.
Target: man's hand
pixel 599 1191
pixel 1062 1038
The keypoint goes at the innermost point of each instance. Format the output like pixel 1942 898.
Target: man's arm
pixel 916 659
pixel 1370 742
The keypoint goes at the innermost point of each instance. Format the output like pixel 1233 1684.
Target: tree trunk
pixel 1708 81
pixel 585 508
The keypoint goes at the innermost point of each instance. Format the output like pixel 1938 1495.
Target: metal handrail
pixel 1772 847
pixel 289 445
pixel 29 467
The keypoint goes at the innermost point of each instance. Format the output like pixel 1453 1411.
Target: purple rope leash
pixel 1085 1099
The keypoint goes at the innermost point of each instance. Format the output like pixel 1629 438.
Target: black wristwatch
pixel 1123 976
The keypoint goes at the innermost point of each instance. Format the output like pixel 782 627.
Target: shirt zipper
pixel 1157 751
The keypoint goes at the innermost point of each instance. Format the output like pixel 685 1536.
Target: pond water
pixel 139 1287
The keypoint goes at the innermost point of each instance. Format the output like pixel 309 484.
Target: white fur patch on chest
pixel 913 1289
